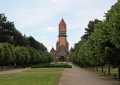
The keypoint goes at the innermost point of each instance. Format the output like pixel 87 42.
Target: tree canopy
pixel 17 49
pixel 100 45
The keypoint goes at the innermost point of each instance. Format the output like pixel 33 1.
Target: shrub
pixel 22 56
pixel 6 54
pixel 57 65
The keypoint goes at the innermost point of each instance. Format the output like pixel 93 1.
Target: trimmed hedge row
pixel 57 65
pixel 11 55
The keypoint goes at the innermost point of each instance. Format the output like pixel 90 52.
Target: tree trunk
pixel 102 69
pixel 109 70
pixel 119 73
pixel 97 68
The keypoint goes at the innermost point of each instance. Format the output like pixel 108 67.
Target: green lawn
pixel 38 76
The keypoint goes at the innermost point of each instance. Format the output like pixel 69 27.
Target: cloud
pixel 40 18
pixel 52 29
pixel 30 17
pixel 54 1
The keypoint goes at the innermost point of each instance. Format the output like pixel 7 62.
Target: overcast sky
pixel 40 18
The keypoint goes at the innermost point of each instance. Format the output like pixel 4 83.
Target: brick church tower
pixel 62 46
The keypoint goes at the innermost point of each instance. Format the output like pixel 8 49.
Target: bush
pixel 58 65
pixel 6 54
pixel 34 56
pixel 46 57
pixel 22 56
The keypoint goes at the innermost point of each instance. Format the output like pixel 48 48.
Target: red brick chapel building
pixel 62 45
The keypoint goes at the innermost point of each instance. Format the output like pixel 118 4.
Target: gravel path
pixel 78 76
pixel 14 71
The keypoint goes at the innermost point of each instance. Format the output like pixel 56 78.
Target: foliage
pixel 6 53
pixel 56 65
pixel 21 56
pixel 100 45
pixel 19 50
pixel 9 34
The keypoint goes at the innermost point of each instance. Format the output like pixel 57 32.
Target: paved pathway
pixel 78 76
pixel 14 71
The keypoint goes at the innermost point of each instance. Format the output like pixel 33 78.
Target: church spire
pixel 62 45
pixel 62 26
pixel 62 22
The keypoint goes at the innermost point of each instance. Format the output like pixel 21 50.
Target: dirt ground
pixel 79 76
